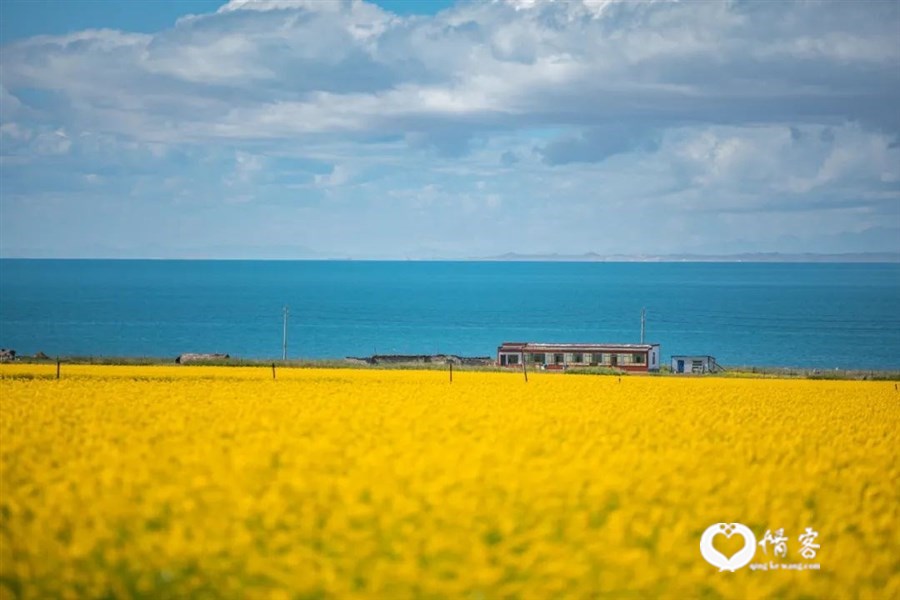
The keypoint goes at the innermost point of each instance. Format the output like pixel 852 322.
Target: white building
pixel 683 363
pixel 627 357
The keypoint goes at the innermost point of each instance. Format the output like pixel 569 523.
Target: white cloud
pixel 15 132
pixel 786 162
pixel 219 59
pixel 744 108
pixel 51 142
pixel 338 176
pixel 305 65
pixel 246 167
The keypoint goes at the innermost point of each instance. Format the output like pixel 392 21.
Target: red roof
pixel 542 347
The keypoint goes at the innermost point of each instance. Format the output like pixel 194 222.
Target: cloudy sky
pixel 314 128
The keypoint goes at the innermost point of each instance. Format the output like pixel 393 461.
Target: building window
pixel 512 359
pixel 558 359
pixel 578 357
pixel 538 358
pixel 598 358
pixel 637 359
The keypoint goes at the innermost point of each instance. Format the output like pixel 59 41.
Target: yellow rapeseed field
pixel 165 482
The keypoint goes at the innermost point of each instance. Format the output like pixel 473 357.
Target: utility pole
pixel 643 319
pixel 284 336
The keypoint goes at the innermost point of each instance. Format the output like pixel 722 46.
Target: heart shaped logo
pixel 729 545
pixel 725 563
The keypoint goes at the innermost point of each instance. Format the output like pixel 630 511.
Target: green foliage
pixel 594 371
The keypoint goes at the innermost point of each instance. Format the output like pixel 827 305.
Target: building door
pixel 679 366
pixel 502 360
pixel 613 360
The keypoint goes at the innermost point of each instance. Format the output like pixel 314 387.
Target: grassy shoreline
pixel 743 371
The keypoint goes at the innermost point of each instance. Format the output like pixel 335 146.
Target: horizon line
pixel 749 257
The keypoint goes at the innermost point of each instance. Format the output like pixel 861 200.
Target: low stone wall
pixel 440 359
pixel 188 357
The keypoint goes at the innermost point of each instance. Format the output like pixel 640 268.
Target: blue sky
pixel 26 18
pixel 313 129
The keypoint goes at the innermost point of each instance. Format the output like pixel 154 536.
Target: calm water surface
pixel 808 315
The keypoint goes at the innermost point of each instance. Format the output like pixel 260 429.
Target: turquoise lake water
pixel 805 315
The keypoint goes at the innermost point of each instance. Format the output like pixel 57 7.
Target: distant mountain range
pixel 754 257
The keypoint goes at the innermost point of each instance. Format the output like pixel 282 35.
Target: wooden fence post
pixel 273 370
pixel 57 367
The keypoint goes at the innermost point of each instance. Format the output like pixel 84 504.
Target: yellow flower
pixel 198 481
